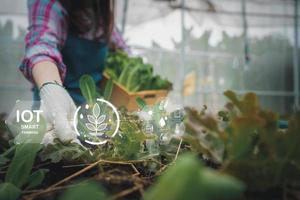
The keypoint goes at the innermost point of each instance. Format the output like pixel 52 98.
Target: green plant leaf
pixel 7 155
pixel 250 103
pixel 21 165
pixel 36 178
pixel 108 89
pixel 9 192
pixel 67 152
pixel 3 160
pixel 87 190
pixel 124 75
pixel 140 102
pixel 233 98
pixel 220 186
pixel 88 88
pixel 194 182
pixel 129 143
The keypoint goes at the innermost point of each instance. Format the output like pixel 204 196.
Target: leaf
pixel 36 178
pixel 140 102
pixel 202 146
pixel 216 185
pixel 96 110
pixel 124 75
pixel 194 182
pixel 241 141
pixel 130 144
pixel 88 88
pixel 233 98
pixel 87 190
pixel 91 119
pixel 101 119
pixel 91 127
pixel 9 192
pixel 3 160
pixel 250 103
pixel 9 152
pixel 21 165
pixel 255 149
pixel 67 152
pixel 102 127
pixel 108 89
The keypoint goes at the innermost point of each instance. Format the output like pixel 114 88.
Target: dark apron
pixel 81 56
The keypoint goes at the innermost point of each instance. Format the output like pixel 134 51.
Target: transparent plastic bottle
pixel 177 118
pixel 151 144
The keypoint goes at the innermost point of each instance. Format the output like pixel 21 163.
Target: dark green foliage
pixel 133 73
pixel 59 151
pixel 86 190
pixel 128 145
pixel 7 155
pixel 158 83
pixel 253 147
pixel 116 62
pixel 9 191
pixel 19 169
pixel 18 173
pixel 189 179
pixel 36 178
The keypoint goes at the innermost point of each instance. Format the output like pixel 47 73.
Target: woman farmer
pixel 66 39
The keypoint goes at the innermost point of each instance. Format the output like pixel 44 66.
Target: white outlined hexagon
pixel 26 130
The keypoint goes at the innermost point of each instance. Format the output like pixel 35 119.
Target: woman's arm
pixel 45 71
pixel 46 35
pixel 118 41
pixel 43 63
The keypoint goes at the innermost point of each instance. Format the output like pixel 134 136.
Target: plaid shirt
pixel 46 35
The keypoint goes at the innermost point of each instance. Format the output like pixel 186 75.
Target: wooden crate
pixel 122 97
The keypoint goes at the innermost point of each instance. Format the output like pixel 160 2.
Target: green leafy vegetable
pixel 133 73
pixel 88 88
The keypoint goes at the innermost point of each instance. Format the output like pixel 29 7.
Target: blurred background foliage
pixel 215 55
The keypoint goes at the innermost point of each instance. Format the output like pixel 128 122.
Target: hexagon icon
pixel 25 123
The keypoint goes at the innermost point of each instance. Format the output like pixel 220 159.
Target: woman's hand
pixel 58 109
pixel 56 103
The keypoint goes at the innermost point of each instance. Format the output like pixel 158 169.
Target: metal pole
pixel 125 8
pixel 295 57
pixel 182 51
pixel 245 35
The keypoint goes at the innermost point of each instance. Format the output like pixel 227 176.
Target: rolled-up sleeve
pixel 118 40
pixel 46 35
